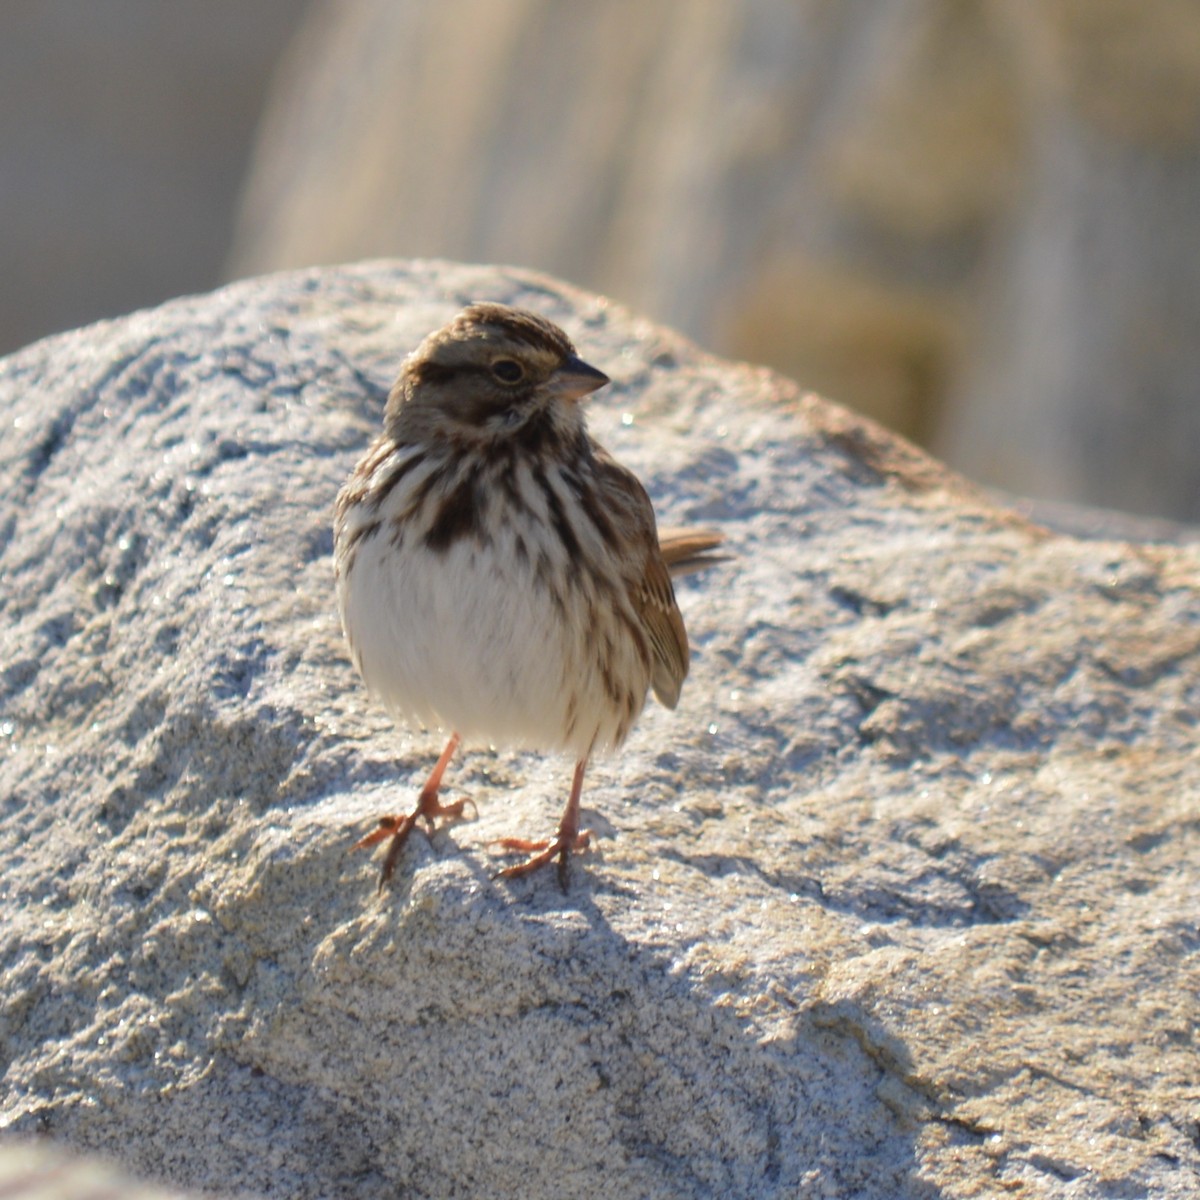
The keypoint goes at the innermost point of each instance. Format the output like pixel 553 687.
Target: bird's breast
pixel 473 600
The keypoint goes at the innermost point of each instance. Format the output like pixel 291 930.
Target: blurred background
pixel 975 220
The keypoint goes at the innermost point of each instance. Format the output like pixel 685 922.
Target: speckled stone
pixel 900 902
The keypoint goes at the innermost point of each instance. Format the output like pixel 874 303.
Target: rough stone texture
pixel 900 902
pixel 973 221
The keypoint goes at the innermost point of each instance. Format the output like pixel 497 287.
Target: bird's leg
pixel 428 806
pixel 569 838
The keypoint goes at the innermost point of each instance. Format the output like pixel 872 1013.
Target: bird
pixel 499 574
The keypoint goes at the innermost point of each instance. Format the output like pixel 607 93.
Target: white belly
pixel 470 640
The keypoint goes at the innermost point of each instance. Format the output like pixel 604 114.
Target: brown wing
pixel 654 599
pixel 647 577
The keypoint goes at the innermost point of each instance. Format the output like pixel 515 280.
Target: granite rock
pixel 900 902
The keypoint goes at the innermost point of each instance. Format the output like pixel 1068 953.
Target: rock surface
pixel 900 902
pixel 972 221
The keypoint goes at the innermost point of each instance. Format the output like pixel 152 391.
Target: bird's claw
pixel 399 827
pixel 542 852
pixel 451 812
pixel 388 827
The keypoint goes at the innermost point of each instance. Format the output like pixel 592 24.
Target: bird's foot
pixel 399 827
pixel 542 852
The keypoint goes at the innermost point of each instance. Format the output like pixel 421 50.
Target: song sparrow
pixel 498 572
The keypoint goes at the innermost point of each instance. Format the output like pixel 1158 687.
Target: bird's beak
pixel 575 379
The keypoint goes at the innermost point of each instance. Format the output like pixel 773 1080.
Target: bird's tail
pixel 688 550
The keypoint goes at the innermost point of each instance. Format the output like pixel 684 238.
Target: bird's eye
pixel 508 370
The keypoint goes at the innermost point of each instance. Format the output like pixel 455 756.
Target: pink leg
pixel 569 838
pixel 428 806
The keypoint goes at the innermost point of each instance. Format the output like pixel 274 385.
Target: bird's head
pixel 493 373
